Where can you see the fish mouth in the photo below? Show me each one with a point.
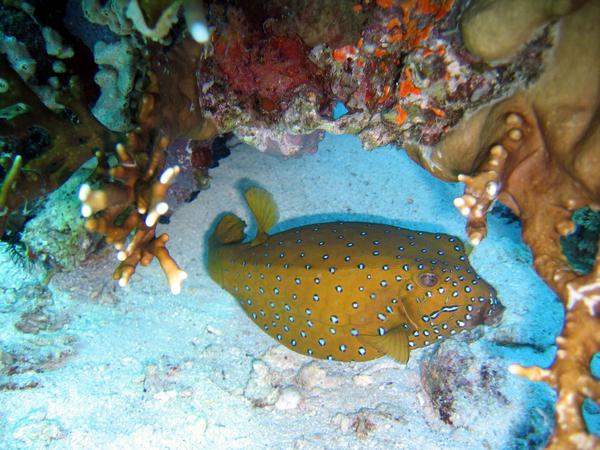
(494, 313)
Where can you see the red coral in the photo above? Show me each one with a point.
(266, 70)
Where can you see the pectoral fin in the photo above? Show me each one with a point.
(394, 343)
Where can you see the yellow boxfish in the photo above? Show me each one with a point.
(349, 291)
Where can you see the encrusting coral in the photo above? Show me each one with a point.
(399, 67)
(538, 152)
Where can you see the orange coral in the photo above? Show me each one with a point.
(345, 52)
(401, 116)
(410, 27)
(407, 87)
(385, 3)
(394, 22)
(380, 52)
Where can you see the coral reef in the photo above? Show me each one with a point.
(538, 151)
(499, 94)
(398, 67)
(48, 130)
(272, 87)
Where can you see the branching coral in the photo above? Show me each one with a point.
(45, 138)
(538, 152)
(570, 376)
(131, 204)
(49, 145)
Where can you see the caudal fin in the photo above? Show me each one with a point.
(230, 229)
(265, 212)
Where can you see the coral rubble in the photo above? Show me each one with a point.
(453, 374)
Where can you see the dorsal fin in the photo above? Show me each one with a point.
(230, 229)
(394, 343)
(265, 212)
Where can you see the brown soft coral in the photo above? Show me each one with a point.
(539, 152)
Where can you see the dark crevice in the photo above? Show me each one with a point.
(581, 246)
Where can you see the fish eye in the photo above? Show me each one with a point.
(428, 279)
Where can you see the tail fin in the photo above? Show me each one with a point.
(265, 212)
(230, 229)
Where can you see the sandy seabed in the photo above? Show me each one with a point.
(139, 368)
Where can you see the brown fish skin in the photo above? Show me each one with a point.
(331, 290)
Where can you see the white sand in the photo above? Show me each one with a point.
(192, 371)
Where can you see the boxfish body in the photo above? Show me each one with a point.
(349, 291)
